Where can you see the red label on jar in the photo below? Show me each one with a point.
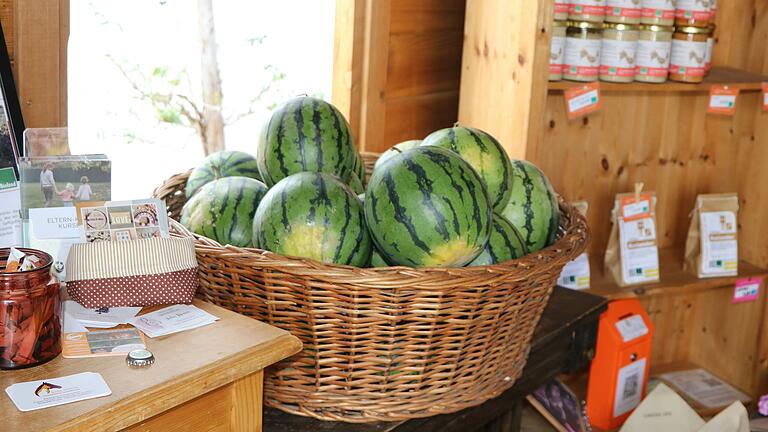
(617, 71)
(658, 13)
(651, 71)
(556, 69)
(586, 10)
(686, 71)
(693, 15)
(581, 70)
(624, 12)
(561, 8)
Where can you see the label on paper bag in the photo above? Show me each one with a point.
(582, 100)
(34, 395)
(722, 100)
(746, 290)
(765, 97)
(719, 247)
(639, 254)
(575, 274)
(631, 328)
(629, 387)
(632, 209)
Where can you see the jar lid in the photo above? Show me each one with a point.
(140, 358)
(620, 26)
(561, 23)
(657, 28)
(585, 25)
(692, 30)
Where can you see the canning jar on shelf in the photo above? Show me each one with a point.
(561, 10)
(557, 51)
(586, 10)
(30, 309)
(695, 13)
(689, 50)
(654, 47)
(623, 11)
(710, 49)
(618, 52)
(658, 12)
(582, 51)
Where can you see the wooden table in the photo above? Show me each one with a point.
(563, 342)
(206, 379)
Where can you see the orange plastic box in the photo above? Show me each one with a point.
(619, 372)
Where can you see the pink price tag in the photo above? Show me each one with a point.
(747, 289)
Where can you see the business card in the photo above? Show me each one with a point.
(34, 395)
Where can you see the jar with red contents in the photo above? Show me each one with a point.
(30, 309)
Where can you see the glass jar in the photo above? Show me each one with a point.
(689, 49)
(586, 10)
(693, 13)
(561, 10)
(618, 52)
(30, 309)
(623, 11)
(658, 12)
(653, 52)
(710, 49)
(582, 51)
(557, 51)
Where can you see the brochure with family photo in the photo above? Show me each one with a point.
(122, 220)
(50, 188)
(10, 209)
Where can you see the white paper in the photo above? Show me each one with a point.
(639, 254)
(33, 395)
(719, 246)
(101, 317)
(575, 274)
(629, 391)
(732, 419)
(172, 319)
(663, 410)
(10, 210)
(704, 388)
(632, 328)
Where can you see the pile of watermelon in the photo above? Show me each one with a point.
(452, 199)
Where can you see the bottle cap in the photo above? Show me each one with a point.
(140, 358)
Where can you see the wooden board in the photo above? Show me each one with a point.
(188, 365)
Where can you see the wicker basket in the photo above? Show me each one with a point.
(391, 343)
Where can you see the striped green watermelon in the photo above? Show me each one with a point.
(504, 244)
(223, 210)
(483, 153)
(396, 150)
(426, 207)
(316, 216)
(355, 184)
(377, 260)
(533, 207)
(219, 165)
(305, 134)
(359, 167)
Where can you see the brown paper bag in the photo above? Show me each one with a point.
(576, 274)
(632, 255)
(715, 253)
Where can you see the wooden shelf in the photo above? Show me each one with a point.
(674, 280)
(735, 78)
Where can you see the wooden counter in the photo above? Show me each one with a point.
(209, 378)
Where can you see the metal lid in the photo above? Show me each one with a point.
(560, 23)
(140, 358)
(692, 30)
(657, 28)
(585, 25)
(620, 26)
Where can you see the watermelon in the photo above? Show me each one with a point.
(426, 207)
(360, 167)
(377, 260)
(504, 244)
(355, 184)
(223, 210)
(305, 134)
(533, 207)
(219, 165)
(316, 216)
(483, 153)
(396, 150)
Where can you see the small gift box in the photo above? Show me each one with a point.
(132, 273)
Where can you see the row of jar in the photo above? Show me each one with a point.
(586, 51)
(698, 13)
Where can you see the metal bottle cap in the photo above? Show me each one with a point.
(140, 358)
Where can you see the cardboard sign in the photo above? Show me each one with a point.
(633, 209)
(765, 97)
(582, 100)
(722, 100)
(747, 290)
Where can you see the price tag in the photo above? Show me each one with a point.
(747, 290)
(582, 100)
(765, 97)
(722, 100)
(632, 209)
